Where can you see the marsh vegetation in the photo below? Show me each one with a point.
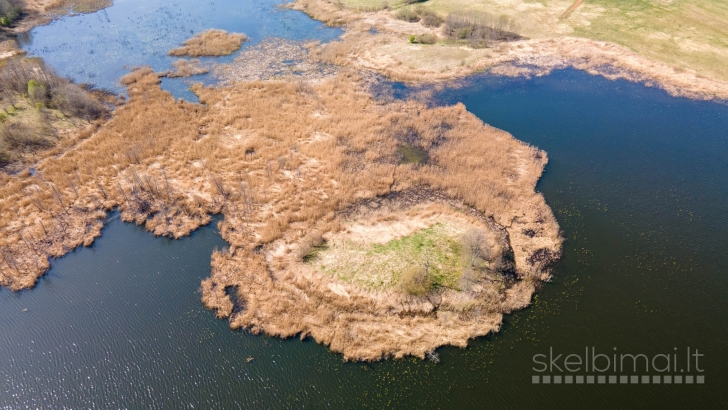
(281, 160)
(210, 43)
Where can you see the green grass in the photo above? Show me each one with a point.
(379, 266)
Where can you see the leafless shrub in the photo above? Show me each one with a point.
(476, 249)
(426, 39)
(21, 137)
(73, 101)
(429, 17)
(415, 281)
(308, 244)
(407, 14)
(480, 28)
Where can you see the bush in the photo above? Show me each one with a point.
(5, 158)
(480, 28)
(9, 11)
(44, 86)
(429, 17)
(407, 14)
(21, 137)
(37, 91)
(426, 39)
(309, 244)
(73, 101)
(476, 249)
(416, 281)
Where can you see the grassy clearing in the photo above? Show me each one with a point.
(437, 249)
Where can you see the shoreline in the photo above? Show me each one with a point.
(36, 13)
(383, 51)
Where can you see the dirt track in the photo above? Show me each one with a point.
(573, 7)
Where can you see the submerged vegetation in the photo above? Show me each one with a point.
(210, 43)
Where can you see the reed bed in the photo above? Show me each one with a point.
(282, 161)
(210, 43)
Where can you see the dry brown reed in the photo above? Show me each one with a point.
(77, 6)
(188, 68)
(210, 43)
(280, 161)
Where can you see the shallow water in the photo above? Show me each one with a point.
(99, 48)
(636, 179)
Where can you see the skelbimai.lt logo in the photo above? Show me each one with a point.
(591, 366)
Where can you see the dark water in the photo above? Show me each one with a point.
(99, 48)
(636, 178)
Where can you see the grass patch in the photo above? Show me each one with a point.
(412, 154)
(436, 250)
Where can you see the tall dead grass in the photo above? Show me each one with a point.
(210, 43)
(282, 160)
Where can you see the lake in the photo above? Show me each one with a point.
(636, 179)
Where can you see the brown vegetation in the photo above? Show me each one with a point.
(280, 161)
(428, 17)
(210, 43)
(188, 68)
